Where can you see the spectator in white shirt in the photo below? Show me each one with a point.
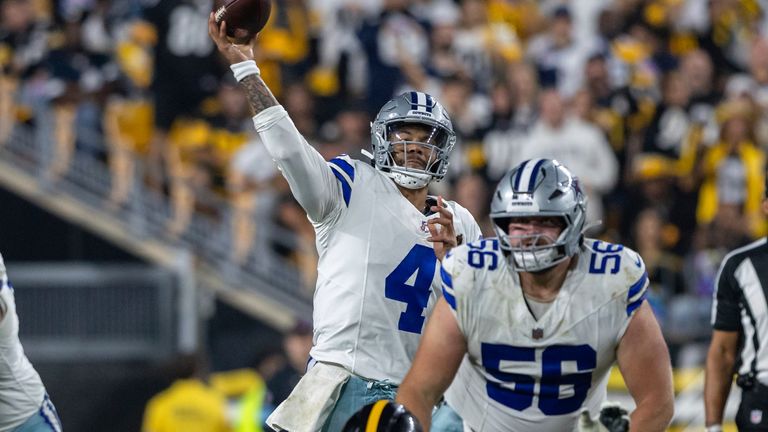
(577, 144)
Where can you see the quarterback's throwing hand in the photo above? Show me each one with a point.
(234, 53)
(443, 237)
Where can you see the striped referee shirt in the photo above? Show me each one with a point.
(740, 304)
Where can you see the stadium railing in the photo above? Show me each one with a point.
(265, 285)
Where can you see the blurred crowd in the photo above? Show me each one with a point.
(198, 399)
(660, 107)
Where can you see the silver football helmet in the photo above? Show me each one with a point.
(408, 109)
(539, 187)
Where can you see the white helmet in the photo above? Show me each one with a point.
(539, 187)
(413, 108)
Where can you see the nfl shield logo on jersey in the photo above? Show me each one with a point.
(756, 416)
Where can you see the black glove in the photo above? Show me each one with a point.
(613, 418)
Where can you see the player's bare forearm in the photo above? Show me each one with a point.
(418, 403)
(258, 94)
(438, 358)
(423, 386)
(644, 362)
(651, 416)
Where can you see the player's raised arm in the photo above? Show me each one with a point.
(241, 56)
(438, 358)
(312, 181)
(644, 362)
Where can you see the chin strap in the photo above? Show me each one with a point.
(409, 181)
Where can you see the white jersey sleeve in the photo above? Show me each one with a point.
(322, 188)
(621, 274)
(633, 295)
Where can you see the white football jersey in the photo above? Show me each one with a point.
(21, 390)
(378, 277)
(523, 374)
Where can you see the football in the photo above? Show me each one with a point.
(244, 18)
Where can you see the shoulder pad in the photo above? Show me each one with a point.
(637, 276)
(455, 273)
(344, 164)
(625, 269)
(469, 267)
(483, 255)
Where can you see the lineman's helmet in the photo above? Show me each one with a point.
(539, 187)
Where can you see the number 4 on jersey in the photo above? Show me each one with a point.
(420, 261)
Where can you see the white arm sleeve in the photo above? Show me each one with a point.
(312, 182)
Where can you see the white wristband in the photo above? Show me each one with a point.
(243, 69)
(714, 428)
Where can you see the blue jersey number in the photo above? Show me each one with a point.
(422, 261)
(521, 395)
(478, 254)
(611, 253)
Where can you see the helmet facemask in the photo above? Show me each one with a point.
(539, 188)
(531, 252)
(412, 141)
(416, 160)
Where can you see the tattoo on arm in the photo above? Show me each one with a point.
(259, 95)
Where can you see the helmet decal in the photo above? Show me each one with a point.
(527, 175)
(422, 102)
